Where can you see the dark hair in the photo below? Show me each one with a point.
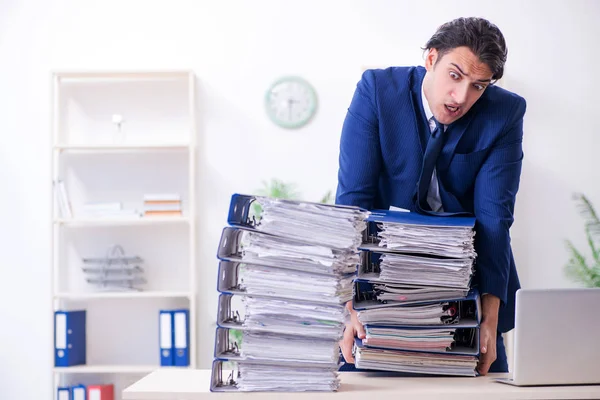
(481, 36)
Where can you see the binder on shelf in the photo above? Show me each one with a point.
(101, 392)
(63, 393)
(78, 392)
(69, 338)
(166, 338)
(181, 333)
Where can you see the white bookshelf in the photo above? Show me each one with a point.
(116, 136)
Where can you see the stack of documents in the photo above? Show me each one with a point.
(413, 294)
(267, 281)
(424, 234)
(285, 275)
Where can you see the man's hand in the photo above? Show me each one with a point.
(487, 332)
(353, 328)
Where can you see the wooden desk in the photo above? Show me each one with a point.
(166, 384)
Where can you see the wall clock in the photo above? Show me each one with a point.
(291, 102)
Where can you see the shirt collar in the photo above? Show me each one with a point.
(428, 113)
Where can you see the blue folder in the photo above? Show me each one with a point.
(69, 338)
(165, 338)
(181, 337)
(63, 393)
(78, 392)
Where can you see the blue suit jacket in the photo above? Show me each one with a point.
(381, 153)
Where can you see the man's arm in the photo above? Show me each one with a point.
(358, 176)
(496, 188)
(360, 151)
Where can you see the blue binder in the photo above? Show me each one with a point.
(165, 338)
(63, 393)
(181, 337)
(407, 218)
(69, 338)
(78, 392)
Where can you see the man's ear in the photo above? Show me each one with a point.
(430, 59)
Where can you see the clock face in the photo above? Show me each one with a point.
(291, 102)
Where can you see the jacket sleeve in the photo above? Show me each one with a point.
(360, 151)
(496, 187)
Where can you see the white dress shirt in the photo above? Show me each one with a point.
(433, 193)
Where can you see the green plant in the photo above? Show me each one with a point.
(578, 267)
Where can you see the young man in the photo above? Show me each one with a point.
(443, 139)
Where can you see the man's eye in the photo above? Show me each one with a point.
(454, 75)
(479, 87)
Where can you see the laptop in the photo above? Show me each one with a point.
(556, 337)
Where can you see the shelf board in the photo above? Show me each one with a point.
(109, 148)
(111, 369)
(122, 221)
(122, 295)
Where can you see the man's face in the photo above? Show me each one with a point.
(454, 83)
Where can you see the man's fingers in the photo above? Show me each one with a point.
(483, 345)
(484, 367)
(360, 330)
(346, 345)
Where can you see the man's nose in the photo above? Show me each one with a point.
(460, 94)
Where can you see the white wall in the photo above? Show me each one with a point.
(237, 49)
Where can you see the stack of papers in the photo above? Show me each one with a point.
(281, 252)
(412, 295)
(267, 281)
(434, 240)
(335, 227)
(284, 316)
(293, 266)
(441, 313)
(435, 271)
(260, 378)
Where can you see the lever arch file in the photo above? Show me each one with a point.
(373, 295)
(281, 316)
(413, 233)
(463, 311)
(101, 392)
(69, 338)
(248, 376)
(253, 247)
(428, 339)
(414, 362)
(264, 281)
(181, 340)
(78, 392)
(165, 337)
(390, 268)
(63, 393)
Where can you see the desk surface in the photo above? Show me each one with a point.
(167, 384)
